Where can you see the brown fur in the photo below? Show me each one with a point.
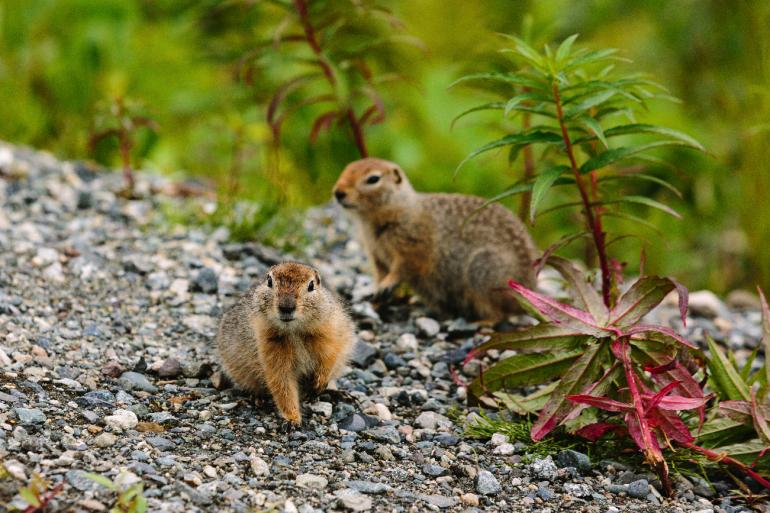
(457, 262)
(263, 351)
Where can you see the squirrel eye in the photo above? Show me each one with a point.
(269, 281)
(311, 286)
(373, 179)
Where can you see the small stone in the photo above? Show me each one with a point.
(639, 489)
(357, 422)
(161, 443)
(135, 381)
(432, 420)
(259, 466)
(460, 328)
(487, 483)
(122, 420)
(205, 281)
(706, 304)
(504, 450)
(427, 327)
(323, 408)
(743, 300)
(171, 368)
(570, 458)
(312, 481)
(470, 499)
(368, 487)
(363, 354)
(352, 500)
(113, 369)
(439, 501)
(499, 439)
(544, 468)
(382, 411)
(545, 493)
(30, 416)
(210, 471)
(406, 343)
(386, 434)
(16, 469)
(104, 440)
(434, 470)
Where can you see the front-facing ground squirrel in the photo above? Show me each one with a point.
(457, 259)
(287, 330)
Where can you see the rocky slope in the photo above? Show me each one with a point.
(107, 366)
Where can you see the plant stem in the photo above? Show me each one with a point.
(594, 222)
(718, 457)
(125, 158)
(312, 41)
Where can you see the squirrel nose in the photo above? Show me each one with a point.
(286, 308)
(340, 195)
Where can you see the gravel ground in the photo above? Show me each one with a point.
(108, 365)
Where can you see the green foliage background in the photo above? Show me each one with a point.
(59, 59)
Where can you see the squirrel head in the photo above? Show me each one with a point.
(291, 297)
(368, 185)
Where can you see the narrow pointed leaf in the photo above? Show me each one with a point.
(616, 154)
(652, 401)
(645, 177)
(596, 128)
(518, 99)
(543, 183)
(564, 48)
(542, 337)
(759, 419)
(530, 404)
(594, 432)
(740, 411)
(724, 376)
(523, 369)
(765, 342)
(641, 128)
(575, 380)
(722, 431)
(586, 296)
(514, 140)
(560, 313)
(510, 78)
(644, 200)
(589, 103)
(672, 425)
(645, 294)
(591, 57)
(663, 333)
(486, 106)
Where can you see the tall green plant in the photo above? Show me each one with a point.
(603, 354)
(340, 53)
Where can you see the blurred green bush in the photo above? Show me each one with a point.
(184, 59)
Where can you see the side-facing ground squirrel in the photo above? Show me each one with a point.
(285, 331)
(458, 260)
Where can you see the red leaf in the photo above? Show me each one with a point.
(644, 295)
(655, 399)
(670, 424)
(684, 298)
(560, 313)
(659, 369)
(605, 403)
(593, 432)
(322, 122)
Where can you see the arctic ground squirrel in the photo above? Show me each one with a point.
(286, 332)
(457, 259)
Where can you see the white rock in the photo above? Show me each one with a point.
(504, 450)
(312, 481)
(499, 439)
(705, 303)
(289, 507)
(428, 327)
(353, 500)
(122, 419)
(383, 413)
(259, 466)
(433, 420)
(16, 469)
(406, 343)
(210, 471)
(322, 408)
(105, 440)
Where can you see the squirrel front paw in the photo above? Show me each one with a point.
(382, 294)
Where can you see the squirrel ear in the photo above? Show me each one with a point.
(317, 278)
(398, 174)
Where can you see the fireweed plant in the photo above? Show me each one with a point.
(341, 52)
(605, 370)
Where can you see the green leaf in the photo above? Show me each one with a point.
(747, 452)
(588, 103)
(526, 51)
(522, 139)
(614, 155)
(529, 404)
(746, 369)
(523, 369)
(104, 481)
(633, 219)
(509, 78)
(565, 47)
(486, 106)
(644, 200)
(724, 376)
(518, 99)
(543, 183)
(29, 497)
(721, 431)
(541, 337)
(645, 177)
(591, 57)
(765, 342)
(584, 371)
(641, 128)
(594, 125)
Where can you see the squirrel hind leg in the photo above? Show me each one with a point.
(487, 278)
